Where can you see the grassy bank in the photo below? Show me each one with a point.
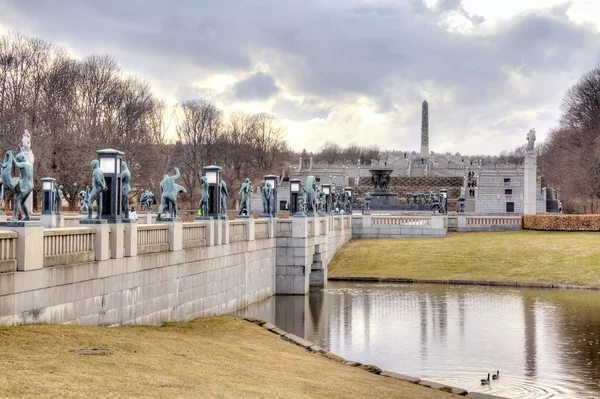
(524, 256)
(215, 357)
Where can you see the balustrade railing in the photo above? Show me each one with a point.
(261, 229)
(194, 235)
(493, 220)
(237, 231)
(152, 238)
(8, 251)
(402, 220)
(68, 246)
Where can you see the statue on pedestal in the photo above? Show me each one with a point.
(311, 194)
(367, 210)
(530, 140)
(22, 186)
(203, 204)
(245, 190)
(126, 189)
(224, 195)
(168, 194)
(347, 204)
(25, 148)
(267, 197)
(59, 198)
(301, 201)
(98, 187)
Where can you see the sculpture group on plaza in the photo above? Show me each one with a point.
(147, 200)
(245, 190)
(168, 194)
(98, 188)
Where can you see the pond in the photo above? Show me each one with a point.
(546, 343)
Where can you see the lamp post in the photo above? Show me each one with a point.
(48, 195)
(213, 178)
(110, 164)
(348, 191)
(295, 186)
(273, 180)
(327, 191)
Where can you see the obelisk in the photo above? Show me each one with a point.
(425, 131)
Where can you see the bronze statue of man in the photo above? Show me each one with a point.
(24, 186)
(169, 190)
(98, 188)
(125, 190)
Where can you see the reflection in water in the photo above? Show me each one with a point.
(545, 343)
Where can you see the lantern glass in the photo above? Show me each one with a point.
(107, 165)
(272, 182)
(326, 190)
(118, 166)
(295, 187)
(211, 177)
(349, 192)
(47, 186)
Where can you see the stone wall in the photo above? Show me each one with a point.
(125, 274)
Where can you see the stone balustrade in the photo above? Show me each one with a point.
(68, 246)
(152, 238)
(238, 230)
(8, 251)
(261, 229)
(194, 235)
(401, 220)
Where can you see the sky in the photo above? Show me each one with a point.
(347, 71)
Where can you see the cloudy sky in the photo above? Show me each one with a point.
(345, 70)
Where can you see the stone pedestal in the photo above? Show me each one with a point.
(225, 231)
(130, 238)
(462, 221)
(101, 241)
(30, 244)
(439, 222)
(530, 183)
(3, 217)
(250, 230)
(299, 227)
(50, 221)
(366, 221)
(175, 233)
(116, 236)
(210, 230)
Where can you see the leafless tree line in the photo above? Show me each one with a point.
(74, 107)
(332, 153)
(570, 157)
(244, 145)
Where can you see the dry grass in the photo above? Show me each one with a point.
(219, 357)
(524, 256)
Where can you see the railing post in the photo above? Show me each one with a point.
(210, 232)
(225, 231)
(116, 240)
(130, 237)
(250, 229)
(367, 221)
(462, 222)
(175, 234)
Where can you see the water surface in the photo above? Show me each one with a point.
(544, 342)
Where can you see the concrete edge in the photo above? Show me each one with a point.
(467, 282)
(312, 347)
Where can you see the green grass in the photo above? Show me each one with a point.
(523, 256)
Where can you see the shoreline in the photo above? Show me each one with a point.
(483, 283)
(314, 348)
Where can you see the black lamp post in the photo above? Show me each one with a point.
(48, 195)
(295, 185)
(110, 164)
(327, 191)
(213, 178)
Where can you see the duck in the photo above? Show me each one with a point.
(496, 376)
(486, 381)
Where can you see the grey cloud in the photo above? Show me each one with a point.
(260, 86)
(335, 51)
(306, 110)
